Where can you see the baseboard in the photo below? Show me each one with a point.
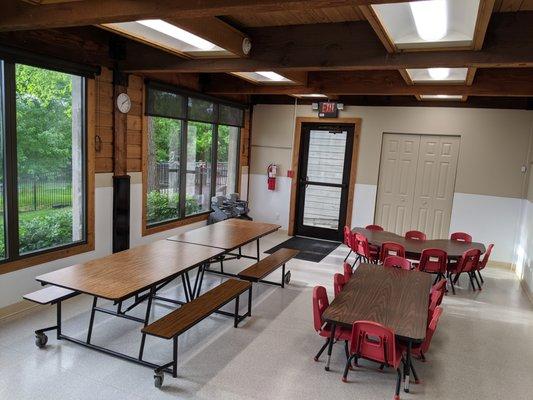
(17, 308)
(527, 290)
(501, 265)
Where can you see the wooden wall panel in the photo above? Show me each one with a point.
(104, 122)
(135, 123)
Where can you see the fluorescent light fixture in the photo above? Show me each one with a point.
(431, 19)
(311, 95)
(177, 33)
(439, 74)
(271, 75)
(441, 97)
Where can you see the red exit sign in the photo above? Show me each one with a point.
(328, 109)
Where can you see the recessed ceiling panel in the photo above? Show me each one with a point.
(438, 75)
(268, 77)
(429, 24)
(162, 34)
(441, 97)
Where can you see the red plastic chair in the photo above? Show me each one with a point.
(391, 249)
(461, 237)
(419, 351)
(361, 247)
(320, 303)
(375, 342)
(434, 261)
(434, 298)
(467, 264)
(348, 240)
(397, 262)
(374, 228)
(416, 235)
(440, 288)
(338, 283)
(483, 262)
(347, 272)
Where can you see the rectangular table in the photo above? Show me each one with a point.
(229, 235)
(393, 297)
(123, 275)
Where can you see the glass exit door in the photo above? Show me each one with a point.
(323, 181)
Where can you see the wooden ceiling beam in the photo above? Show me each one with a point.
(483, 17)
(490, 82)
(214, 30)
(354, 46)
(93, 12)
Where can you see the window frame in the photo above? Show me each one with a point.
(148, 229)
(13, 259)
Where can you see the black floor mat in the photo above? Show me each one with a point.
(310, 249)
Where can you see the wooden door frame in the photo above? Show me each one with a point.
(356, 122)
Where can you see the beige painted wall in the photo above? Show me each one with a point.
(494, 143)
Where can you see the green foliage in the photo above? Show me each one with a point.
(44, 120)
(163, 207)
(49, 229)
(42, 229)
(166, 136)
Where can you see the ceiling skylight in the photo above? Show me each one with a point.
(441, 97)
(311, 95)
(162, 34)
(438, 75)
(263, 77)
(429, 23)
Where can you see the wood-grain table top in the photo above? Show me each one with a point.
(393, 297)
(228, 234)
(453, 248)
(121, 275)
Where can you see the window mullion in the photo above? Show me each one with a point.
(10, 168)
(214, 160)
(183, 168)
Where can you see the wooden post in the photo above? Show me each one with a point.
(119, 134)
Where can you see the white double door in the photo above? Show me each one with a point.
(416, 183)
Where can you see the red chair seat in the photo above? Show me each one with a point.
(340, 333)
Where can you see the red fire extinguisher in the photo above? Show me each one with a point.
(271, 174)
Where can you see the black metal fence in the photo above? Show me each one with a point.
(201, 171)
(44, 191)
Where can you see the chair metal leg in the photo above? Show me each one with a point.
(475, 279)
(398, 383)
(345, 258)
(451, 284)
(346, 349)
(347, 368)
(480, 277)
(417, 381)
(322, 349)
(471, 281)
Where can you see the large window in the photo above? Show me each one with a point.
(43, 160)
(193, 149)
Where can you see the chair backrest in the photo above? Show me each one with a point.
(461, 237)
(374, 342)
(439, 287)
(430, 331)
(417, 235)
(483, 263)
(469, 261)
(374, 228)
(320, 303)
(347, 236)
(397, 262)
(347, 272)
(433, 260)
(434, 297)
(391, 249)
(338, 283)
(360, 245)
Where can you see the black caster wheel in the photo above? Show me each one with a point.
(158, 379)
(287, 277)
(40, 340)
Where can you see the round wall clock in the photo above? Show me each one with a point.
(123, 103)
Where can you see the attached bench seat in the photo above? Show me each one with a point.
(49, 295)
(178, 321)
(266, 266)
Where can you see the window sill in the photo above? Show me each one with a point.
(174, 224)
(32, 261)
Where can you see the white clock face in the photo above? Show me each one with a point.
(123, 103)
